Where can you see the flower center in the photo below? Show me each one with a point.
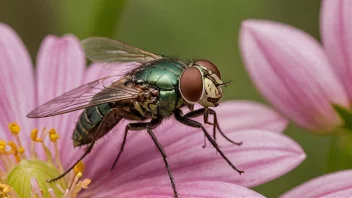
(23, 176)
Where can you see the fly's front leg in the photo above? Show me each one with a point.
(205, 112)
(148, 126)
(197, 113)
(216, 124)
(193, 123)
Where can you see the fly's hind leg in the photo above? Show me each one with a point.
(148, 126)
(100, 130)
(205, 112)
(88, 150)
(192, 123)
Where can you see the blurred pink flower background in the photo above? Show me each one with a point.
(295, 73)
(265, 154)
(303, 79)
(333, 185)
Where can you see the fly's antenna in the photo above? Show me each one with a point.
(224, 83)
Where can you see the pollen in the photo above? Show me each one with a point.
(53, 135)
(7, 191)
(34, 136)
(33, 171)
(2, 146)
(15, 151)
(79, 168)
(14, 128)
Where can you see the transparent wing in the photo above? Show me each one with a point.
(104, 90)
(112, 53)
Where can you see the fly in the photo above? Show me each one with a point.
(150, 87)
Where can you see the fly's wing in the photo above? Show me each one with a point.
(111, 53)
(104, 90)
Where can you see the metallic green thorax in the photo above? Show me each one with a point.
(164, 75)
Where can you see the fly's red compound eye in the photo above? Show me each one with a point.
(209, 65)
(191, 84)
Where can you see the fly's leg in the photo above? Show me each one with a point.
(148, 126)
(192, 123)
(89, 148)
(216, 123)
(205, 112)
(135, 127)
(197, 113)
(163, 154)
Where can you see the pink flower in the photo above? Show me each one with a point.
(295, 73)
(338, 184)
(265, 154)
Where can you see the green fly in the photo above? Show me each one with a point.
(150, 87)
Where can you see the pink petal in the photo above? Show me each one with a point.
(206, 189)
(336, 30)
(60, 68)
(338, 184)
(291, 70)
(249, 115)
(263, 156)
(17, 84)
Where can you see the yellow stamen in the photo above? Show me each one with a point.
(80, 185)
(2, 147)
(14, 128)
(14, 168)
(85, 183)
(74, 183)
(53, 135)
(7, 191)
(34, 136)
(53, 138)
(79, 168)
(79, 175)
(14, 151)
(13, 147)
(21, 150)
(7, 162)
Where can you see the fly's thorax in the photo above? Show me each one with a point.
(200, 83)
(159, 80)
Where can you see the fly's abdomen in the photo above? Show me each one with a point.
(89, 119)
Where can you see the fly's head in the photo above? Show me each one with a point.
(201, 83)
